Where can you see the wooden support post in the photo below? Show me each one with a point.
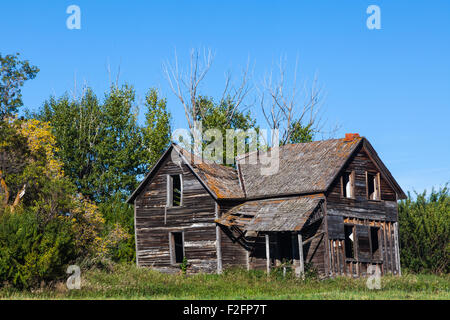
(293, 244)
(248, 259)
(331, 258)
(397, 248)
(391, 248)
(300, 255)
(267, 253)
(135, 235)
(218, 243)
(385, 250)
(338, 257)
(344, 264)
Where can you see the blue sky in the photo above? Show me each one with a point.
(390, 85)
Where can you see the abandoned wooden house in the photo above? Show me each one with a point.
(332, 205)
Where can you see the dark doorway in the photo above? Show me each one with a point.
(285, 253)
(177, 247)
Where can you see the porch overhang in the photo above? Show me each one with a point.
(272, 215)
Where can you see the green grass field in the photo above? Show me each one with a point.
(129, 282)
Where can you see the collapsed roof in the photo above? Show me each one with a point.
(281, 214)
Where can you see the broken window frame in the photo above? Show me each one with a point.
(375, 256)
(170, 191)
(373, 178)
(351, 181)
(352, 226)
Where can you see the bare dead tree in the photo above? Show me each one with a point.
(185, 84)
(284, 105)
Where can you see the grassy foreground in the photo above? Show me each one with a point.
(129, 282)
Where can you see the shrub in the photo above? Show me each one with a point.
(33, 251)
(119, 224)
(311, 271)
(424, 232)
(184, 265)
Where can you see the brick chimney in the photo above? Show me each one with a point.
(351, 136)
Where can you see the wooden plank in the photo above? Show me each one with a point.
(135, 234)
(386, 260)
(195, 218)
(397, 248)
(391, 258)
(338, 258)
(318, 234)
(218, 242)
(335, 227)
(248, 259)
(300, 255)
(267, 253)
(344, 263)
(333, 257)
(326, 256)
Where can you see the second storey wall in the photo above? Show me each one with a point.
(381, 213)
(360, 206)
(195, 218)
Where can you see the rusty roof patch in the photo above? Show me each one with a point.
(223, 181)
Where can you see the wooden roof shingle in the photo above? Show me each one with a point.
(303, 168)
(221, 180)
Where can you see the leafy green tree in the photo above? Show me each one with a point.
(33, 250)
(30, 170)
(13, 74)
(121, 153)
(105, 152)
(157, 129)
(424, 231)
(55, 225)
(116, 212)
(217, 116)
(300, 133)
(99, 143)
(77, 126)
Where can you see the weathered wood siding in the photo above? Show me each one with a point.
(154, 221)
(257, 256)
(361, 211)
(314, 252)
(233, 254)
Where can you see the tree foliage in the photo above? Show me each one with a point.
(214, 115)
(424, 229)
(157, 129)
(13, 74)
(103, 148)
(76, 126)
(34, 250)
(105, 152)
(300, 133)
(30, 170)
(47, 224)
